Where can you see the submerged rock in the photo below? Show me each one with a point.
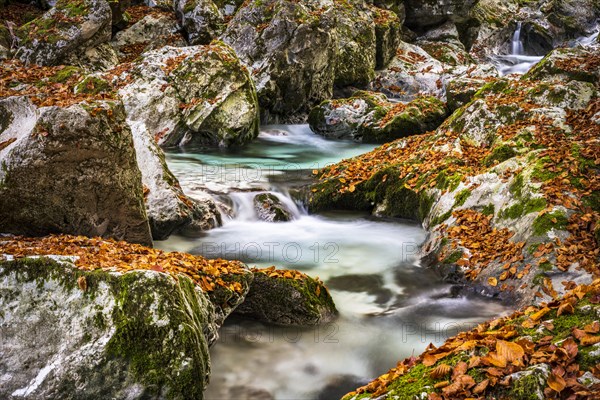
(70, 170)
(69, 27)
(371, 118)
(131, 335)
(284, 297)
(270, 209)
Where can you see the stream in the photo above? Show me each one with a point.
(390, 307)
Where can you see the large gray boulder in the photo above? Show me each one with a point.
(69, 333)
(192, 95)
(290, 48)
(71, 170)
(70, 26)
(201, 19)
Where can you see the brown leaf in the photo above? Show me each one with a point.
(556, 383)
(82, 283)
(440, 371)
(512, 352)
(481, 386)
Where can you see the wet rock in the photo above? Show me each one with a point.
(135, 335)
(70, 26)
(200, 19)
(269, 208)
(284, 297)
(70, 170)
(371, 118)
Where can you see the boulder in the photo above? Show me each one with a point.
(151, 32)
(119, 14)
(71, 170)
(425, 68)
(200, 19)
(567, 64)
(287, 297)
(135, 335)
(69, 27)
(269, 208)
(100, 58)
(369, 117)
(356, 46)
(194, 95)
(290, 48)
(140, 320)
(169, 209)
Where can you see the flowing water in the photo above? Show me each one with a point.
(390, 308)
(519, 63)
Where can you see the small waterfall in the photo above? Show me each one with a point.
(517, 45)
(243, 205)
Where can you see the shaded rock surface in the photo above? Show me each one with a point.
(201, 20)
(285, 297)
(70, 170)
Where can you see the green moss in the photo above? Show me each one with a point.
(546, 266)
(412, 384)
(445, 182)
(461, 197)
(441, 218)
(64, 74)
(524, 207)
(517, 185)
(454, 257)
(499, 154)
(528, 386)
(540, 173)
(554, 220)
(488, 210)
(93, 85)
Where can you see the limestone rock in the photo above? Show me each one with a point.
(269, 208)
(136, 335)
(70, 170)
(201, 19)
(70, 26)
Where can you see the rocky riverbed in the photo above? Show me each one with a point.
(127, 125)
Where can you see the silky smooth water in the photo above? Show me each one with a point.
(390, 307)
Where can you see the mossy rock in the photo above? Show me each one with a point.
(279, 300)
(141, 334)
